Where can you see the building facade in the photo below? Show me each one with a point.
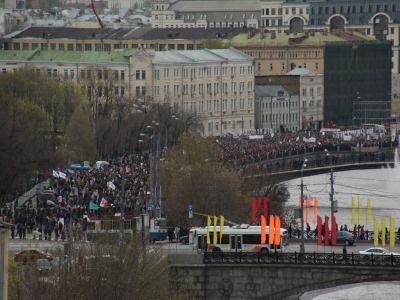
(214, 86)
(311, 91)
(277, 109)
(217, 86)
(205, 14)
(357, 83)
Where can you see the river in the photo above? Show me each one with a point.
(382, 186)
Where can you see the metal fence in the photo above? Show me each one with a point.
(301, 259)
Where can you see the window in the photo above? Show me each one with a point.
(122, 90)
(143, 75)
(122, 75)
(99, 74)
(116, 75)
(65, 74)
(54, 73)
(137, 75)
(25, 46)
(88, 47)
(78, 47)
(61, 47)
(138, 91)
(35, 46)
(70, 47)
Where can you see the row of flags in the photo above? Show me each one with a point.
(274, 235)
(309, 202)
(259, 207)
(356, 211)
(392, 232)
(215, 233)
(325, 232)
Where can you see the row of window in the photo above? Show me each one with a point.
(202, 89)
(95, 47)
(354, 9)
(278, 11)
(280, 118)
(278, 104)
(193, 73)
(311, 104)
(283, 66)
(275, 54)
(105, 91)
(228, 125)
(310, 92)
(215, 106)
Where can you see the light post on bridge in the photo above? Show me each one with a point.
(333, 203)
(304, 165)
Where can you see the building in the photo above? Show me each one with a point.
(277, 108)
(279, 53)
(96, 39)
(311, 91)
(357, 83)
(215, 86)
(374, 18)
(206, 14)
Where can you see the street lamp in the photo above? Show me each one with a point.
(304, 165)
(331, 179)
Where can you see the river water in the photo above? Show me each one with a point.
(382, 186)
(366, 291)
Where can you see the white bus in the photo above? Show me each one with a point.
(234, 238)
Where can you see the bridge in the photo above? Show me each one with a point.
(279, 276)
(289, 167)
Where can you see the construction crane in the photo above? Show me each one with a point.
(97, 16)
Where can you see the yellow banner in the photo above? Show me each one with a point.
(221, 228)
(215, 235)
(359, 211)
(376, 232)
(383, 231)
(392, 233)
(208, 230)
(368, 216)
(353, 210)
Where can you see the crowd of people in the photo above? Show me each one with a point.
(244, 150)
(82, 195)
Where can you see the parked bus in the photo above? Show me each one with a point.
(235, 238)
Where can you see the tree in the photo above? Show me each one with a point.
(109, 268)
(192, 174)
(34, 114)
(80, 137)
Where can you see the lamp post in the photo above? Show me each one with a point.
(304, 165)
(331, 181)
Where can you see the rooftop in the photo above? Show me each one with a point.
(213, 6)
(283, 39)
(114, 57)
(200, 56)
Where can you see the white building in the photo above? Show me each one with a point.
(277, 108)
(311, 97)
(217, 86)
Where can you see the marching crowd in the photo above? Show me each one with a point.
(244, 150)
(83, 195)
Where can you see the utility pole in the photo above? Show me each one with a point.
(331, 195)
(302, 250)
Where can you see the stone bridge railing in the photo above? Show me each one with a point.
(276, 277)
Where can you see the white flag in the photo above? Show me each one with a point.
(62, 175)
(111, 185)
(55, 174)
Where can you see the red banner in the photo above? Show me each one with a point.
(265, 206)
(319, 230)
(253, 209)
(277, 230)
(308, 204)
(326, 233)
(263, 230)
(333, 231)
(271, 229)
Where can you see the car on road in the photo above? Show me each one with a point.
(378, 251)
(345, 237)
(31, 255)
